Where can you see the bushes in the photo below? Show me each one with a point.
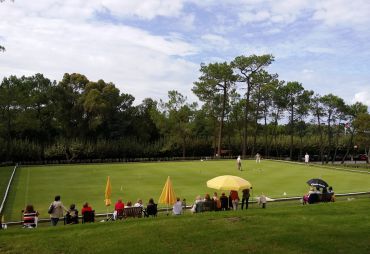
(133, 149)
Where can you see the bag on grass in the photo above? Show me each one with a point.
(51, 209)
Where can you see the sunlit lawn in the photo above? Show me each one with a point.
(79, 183)
(340, 227)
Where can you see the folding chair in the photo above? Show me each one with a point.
(30, 220)
(88, 216)
(151, 210)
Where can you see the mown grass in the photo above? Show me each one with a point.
(340, 227)
(79, 183)
(5, 173)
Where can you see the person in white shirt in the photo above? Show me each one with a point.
(177, 207)
(306, 158)
(139, 203)
(258, 158)
(239, 163)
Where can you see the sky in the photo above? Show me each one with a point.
(149, 47)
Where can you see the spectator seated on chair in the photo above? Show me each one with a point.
(139, 203)
(177, 207)
(198, 205)
(118, 210)
(30, 217)
(313, 198)
(224, 202)
(151, 209)
(72, 215)
(88, 214)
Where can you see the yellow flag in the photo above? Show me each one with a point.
(168, 195)
(108, 193)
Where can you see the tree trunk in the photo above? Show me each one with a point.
(291, 131)
(222, 121)
(246, 113)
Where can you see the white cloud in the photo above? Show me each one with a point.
(144, 9)
(215, 41)
(363, 97)
(138, 62)
(253, 17)
(355, 13)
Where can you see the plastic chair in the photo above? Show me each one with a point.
(88, 216)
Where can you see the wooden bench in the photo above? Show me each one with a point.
(133, 212)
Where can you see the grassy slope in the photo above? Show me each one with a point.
(5, 173)
(80, 183)
(341, 227)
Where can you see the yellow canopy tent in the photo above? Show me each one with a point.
(228, 182)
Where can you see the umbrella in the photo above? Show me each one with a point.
(168, 195)
(108, 193)
(228, 182)
(316, 182)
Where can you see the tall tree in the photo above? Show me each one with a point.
(356, 124)
(333, 106)
(295, 96)
(217, 80)
(175, 120)
(362, 124)
(39, 110)
(260, 95)
(246, 67)
(9, 110)
(69, 109)
(317, 110)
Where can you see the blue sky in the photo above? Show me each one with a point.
(150, 47)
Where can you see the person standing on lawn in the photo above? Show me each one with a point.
(57, 210)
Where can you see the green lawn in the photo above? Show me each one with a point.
(5, 173)
(79, 183)
(340, 227)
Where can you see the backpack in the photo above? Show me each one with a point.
(51, 209)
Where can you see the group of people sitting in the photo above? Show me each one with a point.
(119, 208)
(57, 210)
(221, 203)
(316, 195)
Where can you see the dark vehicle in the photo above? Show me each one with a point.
(362, 157)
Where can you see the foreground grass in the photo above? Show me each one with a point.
(341, 227)
(79, 183)
(5, 173)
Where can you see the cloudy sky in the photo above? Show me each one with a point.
(149, 47)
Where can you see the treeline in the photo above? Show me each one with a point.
(244, 110)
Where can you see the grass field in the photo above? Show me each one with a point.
(325, 228)
(5, 173)
(79, 183)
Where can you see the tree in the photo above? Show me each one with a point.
(246, 67)
(175, 120)
(38, 114)
(261, 98)
(296, 100)
(217, 81)
(362, 124)
(9, 109)
(333, 106)
(317, 110)
(69, 110)
(356, 117)
(143, 124)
